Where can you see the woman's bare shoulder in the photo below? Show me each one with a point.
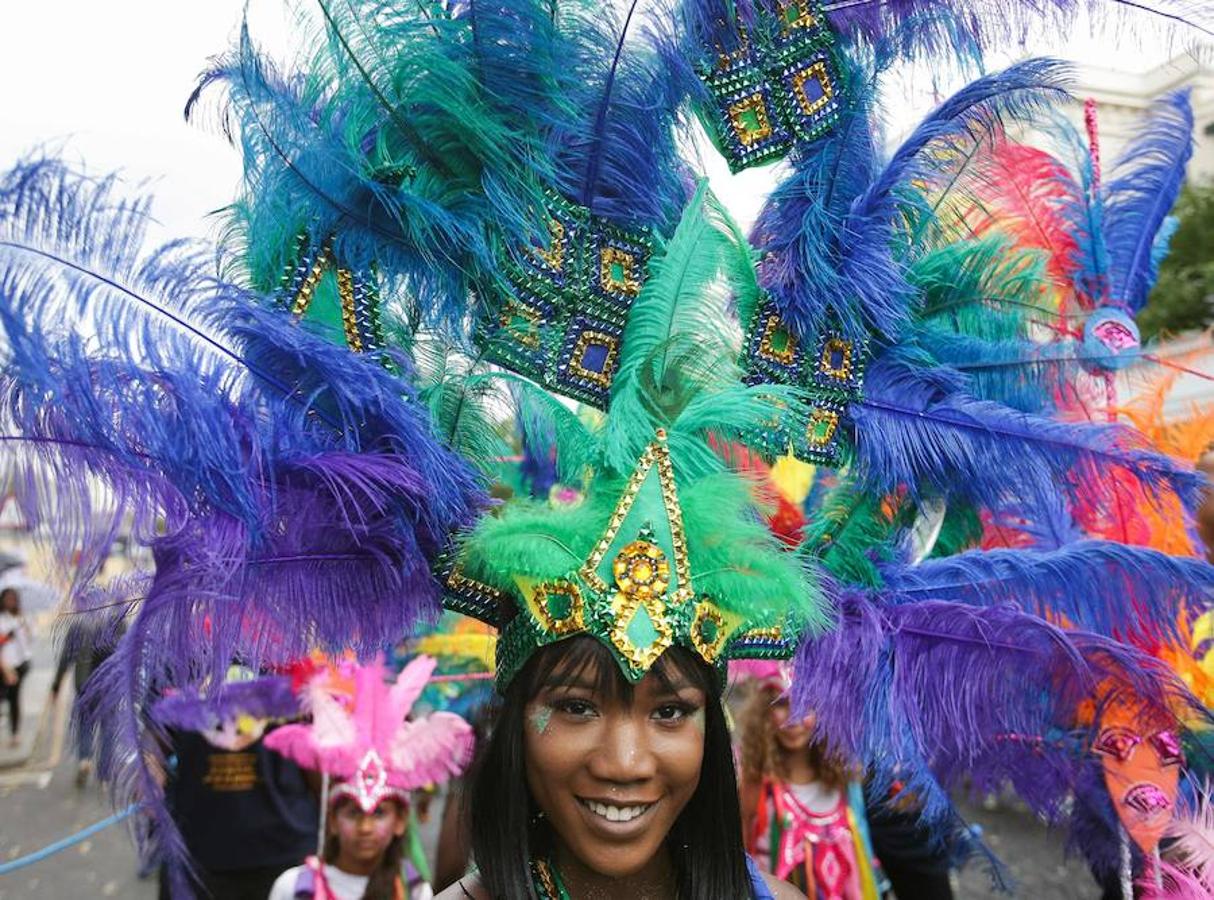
(468, 886)
(782, 890)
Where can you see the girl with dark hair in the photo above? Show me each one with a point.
(592, 786)
(609, 772)
(362, 859)
(361, 738)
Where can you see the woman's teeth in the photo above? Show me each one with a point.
(616, 813)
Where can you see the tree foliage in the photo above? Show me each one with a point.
(1183, 298)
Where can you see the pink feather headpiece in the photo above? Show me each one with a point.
(366, 742)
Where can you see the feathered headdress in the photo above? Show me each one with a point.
(367, 743)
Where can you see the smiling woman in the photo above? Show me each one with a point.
(592, 786)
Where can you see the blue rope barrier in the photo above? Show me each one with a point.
(69, 841)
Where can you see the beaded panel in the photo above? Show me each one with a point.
(778, 86)
(828, 368)
(357, 292)
(558, 312)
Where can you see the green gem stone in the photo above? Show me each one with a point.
(617, 271)
(641, 631)
(822, 429)
(559, 606)
(780, 339)
(750, 120)
(791, 14)
(708, 631)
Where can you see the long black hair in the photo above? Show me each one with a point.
(705, 843)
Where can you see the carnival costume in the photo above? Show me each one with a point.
(368, 750)
(452, 209)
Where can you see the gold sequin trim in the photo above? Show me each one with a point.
(571, 623)
(817, 72)
(585, 339)
(750, 133)
(775, 633)
(627, 607)
(659, 454)
(709, 650)
(458, 581)
(529, 337)
(303, 299)
(554, 256)
(820, 437)
(773, 326)
(843, 348)
(349, 315)
(795, 14)
(627, 283)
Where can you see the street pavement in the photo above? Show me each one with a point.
(39, 804)
(1032, 854)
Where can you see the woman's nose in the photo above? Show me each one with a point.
(625, 754)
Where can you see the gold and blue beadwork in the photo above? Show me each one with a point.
(557, 313)
(316, 285)
(827, 367)
(774, 87)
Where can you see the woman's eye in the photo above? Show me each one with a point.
(671, 712)
(575, 707)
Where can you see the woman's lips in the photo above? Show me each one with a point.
(617, 819)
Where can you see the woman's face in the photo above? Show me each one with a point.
(791, 736)
(612, 775)
(363, 837)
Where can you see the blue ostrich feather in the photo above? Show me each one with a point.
(934, 692)
(1142, 188)
(1020, 374)
(615, 150)
(291, 493)
(918, 426)
(827, 235)
(1103, 587)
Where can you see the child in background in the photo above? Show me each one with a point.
(363, 742)
(802, 809)
(362, 858)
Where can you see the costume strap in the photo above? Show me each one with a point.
(547, 881)
(757, 884)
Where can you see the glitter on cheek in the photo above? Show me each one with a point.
(540, 718)
(697, 719)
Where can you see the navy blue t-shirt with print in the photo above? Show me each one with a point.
(241, 809)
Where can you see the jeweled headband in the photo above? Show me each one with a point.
(632, 581)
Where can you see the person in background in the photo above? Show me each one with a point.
(915, 863)
(243, 813)
(802, 809)
(86, 645)
(16, 651)
(362, 860)
(373, 755)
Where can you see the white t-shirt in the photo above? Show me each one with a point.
(343, 885)
(19, 648)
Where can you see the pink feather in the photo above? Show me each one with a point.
(418, 752)
(1194, 840)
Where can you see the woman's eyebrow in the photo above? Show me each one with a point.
(572, 681)
(675, 686)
